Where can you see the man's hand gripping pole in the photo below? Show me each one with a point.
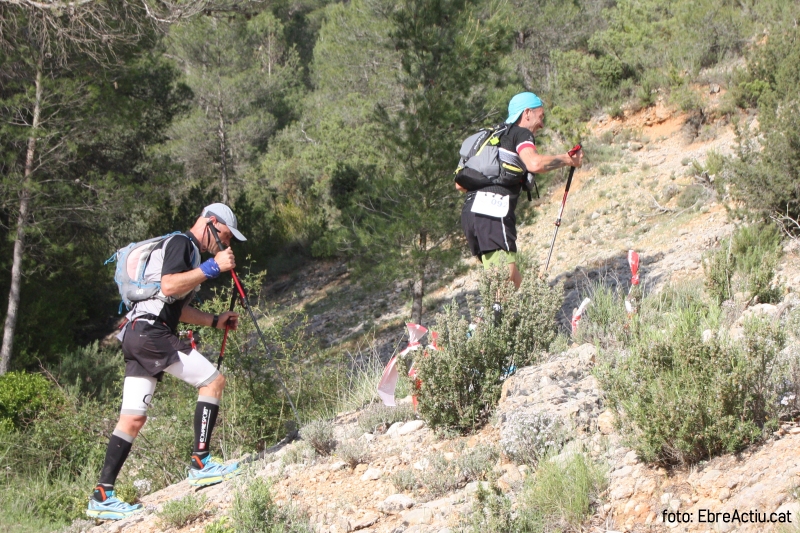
(238, 290)
(563, 203)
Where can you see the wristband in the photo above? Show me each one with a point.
(214, 322)
(210, 268)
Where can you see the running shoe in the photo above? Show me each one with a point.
(212, 472)
(112, 508)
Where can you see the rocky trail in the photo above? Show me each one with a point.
(633, 197)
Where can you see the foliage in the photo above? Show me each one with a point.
(378, 417)
(449, 53)
(353, 452)
(254, 511)
(765, 175)
(476, 463)
(681, 398)
(404, 479)
(181, 511)
(745, 262)
(562, 493)
(460, 383)
(22, 396)
(299, 453)
(526, 437)
(559, 497)
(91, 370)
(319, 434)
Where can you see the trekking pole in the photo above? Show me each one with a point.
(563, 203)
(227, 327)
(243, 299)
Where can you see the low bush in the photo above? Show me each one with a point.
(22, 396)
(404, 479)
(460, 383)
(378, 417)
(559, 497)
(254, 511)
(91, 370)
(353, 452)
(680, 398)
(319, 434)
(692, 196)
(298, 453)
(476, 463)
(181, 511)
(526, 437)
(562, 493)
(745, 263)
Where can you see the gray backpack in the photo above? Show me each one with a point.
(130, 271)
(481, 166)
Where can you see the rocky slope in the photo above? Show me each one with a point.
(634, 197)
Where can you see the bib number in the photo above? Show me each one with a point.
(490, 204)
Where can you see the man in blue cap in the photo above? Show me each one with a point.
(151, 346)
(488, 217)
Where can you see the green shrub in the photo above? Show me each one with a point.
(22, 396)
(561, 494)
(440, 477)
(766, 174)
(298, 453)
(353, 452)
(378, 417)
(461, 382)
(254, 511)
(91, 370)
(745, 263)
(222, 525)
(476, 463)
(680, 399)
(181, 511)
(492, 513)
(605, 323)
(528, 436)
(404, 479)
(692, 196)
(319, 434)
(560, 497)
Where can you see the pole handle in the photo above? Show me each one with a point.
(575, 150)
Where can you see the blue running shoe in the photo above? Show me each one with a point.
(212, 472)
(112, 508)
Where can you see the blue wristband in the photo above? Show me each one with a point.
(210, 268)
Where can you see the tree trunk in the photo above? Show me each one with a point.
(19, 243)
(419, 283)
(223, 152)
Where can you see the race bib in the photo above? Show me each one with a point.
(490, 204)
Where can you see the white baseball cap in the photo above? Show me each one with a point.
(224, 215)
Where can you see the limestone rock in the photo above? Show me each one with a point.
(371, 474)
(395, 504)
(410, 427)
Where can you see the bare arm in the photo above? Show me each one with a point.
(537, 163)
(175, 284)
(190, 315)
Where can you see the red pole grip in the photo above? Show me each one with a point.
(574, 150)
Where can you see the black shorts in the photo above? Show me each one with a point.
(150, 348)
(487, 234)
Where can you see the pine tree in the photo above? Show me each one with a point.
(450, 60)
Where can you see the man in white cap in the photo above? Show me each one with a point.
(151, 346)
(493, 239)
